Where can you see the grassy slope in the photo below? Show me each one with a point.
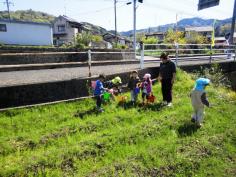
(152, 141)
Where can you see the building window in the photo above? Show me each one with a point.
(61, 28)
(3, 27)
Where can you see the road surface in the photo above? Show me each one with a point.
(60, 74)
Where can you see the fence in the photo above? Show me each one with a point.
(178, 51)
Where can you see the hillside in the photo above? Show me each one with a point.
(221, 25)
(28, 15)
(70, 139)
(95, 29)
(36, 16)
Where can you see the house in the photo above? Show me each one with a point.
(220, 40)
(17, 32)
(111, 38)
(203, 30)
(160, 36)
(65, 29)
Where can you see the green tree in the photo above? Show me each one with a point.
(150, 40)
(195, 38)
(175, 36)
(96, 38)
(83, 39)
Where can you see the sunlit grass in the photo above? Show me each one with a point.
(72, 139)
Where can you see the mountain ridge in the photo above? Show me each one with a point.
(194, 22)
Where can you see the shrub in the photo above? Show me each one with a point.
(215, 74)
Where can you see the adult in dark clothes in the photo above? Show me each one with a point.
(167, 78)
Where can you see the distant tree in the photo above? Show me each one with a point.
(140, 37)
(196, 38)
(175, 36)
(150, 40)
(83, 39)
(96, 38)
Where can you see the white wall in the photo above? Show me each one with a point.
(26, 34)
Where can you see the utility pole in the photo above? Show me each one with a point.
(176, 18)
(134, 32)
(231, 40)
(65, 7)
(8, 10)
(115, 2)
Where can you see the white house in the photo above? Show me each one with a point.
(25, 33)
(203, 30)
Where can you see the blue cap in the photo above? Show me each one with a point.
(201, 83)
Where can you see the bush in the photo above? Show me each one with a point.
(120, 46)
(215, 74)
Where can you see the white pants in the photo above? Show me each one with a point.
(198, 114)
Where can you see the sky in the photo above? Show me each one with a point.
(150, 13)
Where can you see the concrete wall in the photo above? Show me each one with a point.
(54, 91)
(26, 34)
(54, 57)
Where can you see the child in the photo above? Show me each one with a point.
(114, 85)
(98, 91)
(146, 87)
(133, 86)
(199, 99)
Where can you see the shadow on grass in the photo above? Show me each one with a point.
(187, 129)
(153, 107)
(92, 111)
(141, 107)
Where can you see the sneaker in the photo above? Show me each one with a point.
(169, 104)
(199, 125)
(100, 110)
(164, 103)
(193, 120)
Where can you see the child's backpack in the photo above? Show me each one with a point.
(93, 85)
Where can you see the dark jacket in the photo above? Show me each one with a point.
(167, 69)
(132, 84)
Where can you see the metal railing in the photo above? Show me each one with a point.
(178, 51)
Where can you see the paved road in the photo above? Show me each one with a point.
(51, 75)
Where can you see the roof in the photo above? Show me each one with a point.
(110, 36)
(69, 19)
(155, 34)
(220, 39)
(23, 22)
(72, 21)
(199, 29)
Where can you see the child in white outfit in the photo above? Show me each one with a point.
(199, 99)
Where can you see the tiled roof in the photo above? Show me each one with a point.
(199, 29)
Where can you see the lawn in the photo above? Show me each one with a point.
(71, 139)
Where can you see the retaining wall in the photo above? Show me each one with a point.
(36, 56)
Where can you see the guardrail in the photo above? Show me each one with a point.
(180, 50)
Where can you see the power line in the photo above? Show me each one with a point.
(181, 11)
(99, 10)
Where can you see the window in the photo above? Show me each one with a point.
(3, 27)
(61, 28)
